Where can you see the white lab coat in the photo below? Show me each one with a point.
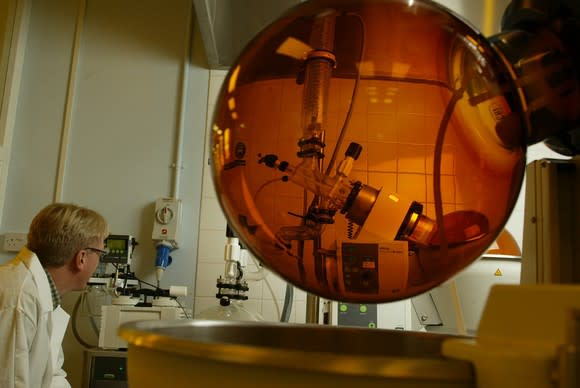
(31, 332)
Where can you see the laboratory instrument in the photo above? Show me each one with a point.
(456, 306)
(113, 298)
(119, 249)
(432, 137)
(233, 286)
(105, 368)
(367, 151)
(163, 306)
(359, 166)
(119, 254)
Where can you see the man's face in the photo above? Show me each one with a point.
(92, 257)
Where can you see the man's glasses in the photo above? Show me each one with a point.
(99, 252)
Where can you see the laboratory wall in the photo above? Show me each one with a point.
(125, 112)
(108, 117)
(113, 112)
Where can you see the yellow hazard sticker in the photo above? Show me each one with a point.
(498, 272)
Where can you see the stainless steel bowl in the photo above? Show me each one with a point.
(208, 353)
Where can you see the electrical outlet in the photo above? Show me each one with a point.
(167, 220)
(13, 242)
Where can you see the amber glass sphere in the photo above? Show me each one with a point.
(367, 151)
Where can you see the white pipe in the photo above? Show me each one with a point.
(69, 102)
(178, 163)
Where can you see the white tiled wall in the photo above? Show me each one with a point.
(265, 297)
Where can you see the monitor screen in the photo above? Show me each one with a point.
(114, 244)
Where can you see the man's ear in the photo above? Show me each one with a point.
(79, 260)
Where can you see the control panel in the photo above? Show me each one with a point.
(366, 268)
(360, 265)
(119, 248)
(357, 315)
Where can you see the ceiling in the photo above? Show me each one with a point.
(228, 25)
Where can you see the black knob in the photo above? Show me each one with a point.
(354, 150)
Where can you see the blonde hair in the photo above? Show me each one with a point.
(60, 230)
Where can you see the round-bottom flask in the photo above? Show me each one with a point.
(231, 311)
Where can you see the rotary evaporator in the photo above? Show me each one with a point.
(367, 151)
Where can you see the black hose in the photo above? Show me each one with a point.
(288, 298)
(75, 328)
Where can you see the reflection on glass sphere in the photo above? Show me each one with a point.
(368, 150)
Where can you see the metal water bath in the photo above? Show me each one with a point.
(214, 353)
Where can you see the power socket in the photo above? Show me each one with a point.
(13, 242)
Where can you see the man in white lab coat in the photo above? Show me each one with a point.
(65, 244)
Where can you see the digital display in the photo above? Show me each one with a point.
(120, 249)
(116, 245)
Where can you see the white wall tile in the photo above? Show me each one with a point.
(208, 189)
(277, 286)
(253, 305)
(299, 309)
(299, 295)
(212, 245)
(212, 216)
(270, 312)
(255, 290)
(207, 274)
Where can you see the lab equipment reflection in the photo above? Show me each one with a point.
(233, 286)
(425, 116)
